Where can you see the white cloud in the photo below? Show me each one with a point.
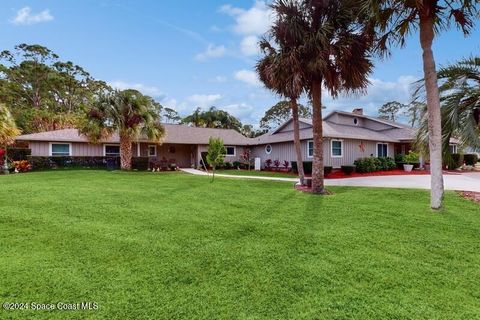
(379, 92)
(25, 16)
(148, 90)
(211, 51)
(247, 76)
(249, 46)
(204, 100)
(250, 24)
(218, 79)
(254, 21)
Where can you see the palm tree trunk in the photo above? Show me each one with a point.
(296, 141)
(434, 114)
(125, 152)
(318, 186)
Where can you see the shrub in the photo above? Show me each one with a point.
(236, 164)
(276, 164)
(268, 163)
(327, 170)
(17, 154)
(387, 163)
(307, 167)
(470, 159)
(365, 165)
(348, 170)
(22, 166)
(285, 164)
(453, 161)
(399, 157)
(228, 165)
(412, 157)
(42, 163)
(140, 163)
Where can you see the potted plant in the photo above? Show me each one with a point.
(410, 159)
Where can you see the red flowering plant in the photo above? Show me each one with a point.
(268, 163)
(276, 164)
(22, 166)
(286, 164)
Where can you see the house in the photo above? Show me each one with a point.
(347, 137)
(182, 143)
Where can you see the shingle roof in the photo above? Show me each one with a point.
(330, 130)
(174, 133)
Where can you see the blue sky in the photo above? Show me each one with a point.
(193, 53)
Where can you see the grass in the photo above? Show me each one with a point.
(175, 246)
(235, 172)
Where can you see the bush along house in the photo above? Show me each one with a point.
(348, 136)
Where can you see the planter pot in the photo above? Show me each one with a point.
(408, 167)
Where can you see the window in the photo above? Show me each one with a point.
(355, 121)
(382, 150)
(230, 151)
(152, 151)
(452, 148)
(111, 150)
(268, 149)
(310, 149)
(337, 148)
(60, 149)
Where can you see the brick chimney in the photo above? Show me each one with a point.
(358, 111)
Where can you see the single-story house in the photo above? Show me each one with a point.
(347, 137)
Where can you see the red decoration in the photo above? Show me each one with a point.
(362, 146)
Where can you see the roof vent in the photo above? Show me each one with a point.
(358, 111)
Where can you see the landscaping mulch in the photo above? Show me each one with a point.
(474, 196)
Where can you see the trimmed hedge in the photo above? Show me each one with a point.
(470, 159)
(307, 167)
(140, 163)
(372, 164)
(18, 154)
(43, 163)
(348, 170)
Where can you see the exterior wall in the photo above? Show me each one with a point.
(42, 149)
(361, 122)
(204, 148)
(289, 126)
(351, 152)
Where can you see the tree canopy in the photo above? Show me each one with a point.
(281, 112)
(43, 92)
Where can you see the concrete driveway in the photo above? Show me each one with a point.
(464, 181)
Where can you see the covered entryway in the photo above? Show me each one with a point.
(183, 155)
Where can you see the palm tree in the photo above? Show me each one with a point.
(127, 112)
(460, 105)
(394, 21)
(281, 71)
(333, 46)
(8, 131)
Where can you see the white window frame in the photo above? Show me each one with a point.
(150, 146)
(378, 143)
(271, 149)
(50, 149)
(234, 151)
(111, 145)
(308, 149)
(331, 148)
(454, 146)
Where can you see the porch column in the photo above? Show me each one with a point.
(138, 149)
(422, 161)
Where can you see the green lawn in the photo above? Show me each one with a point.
(175, 246)
(236, 172)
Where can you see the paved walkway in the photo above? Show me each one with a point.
(465, 181)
